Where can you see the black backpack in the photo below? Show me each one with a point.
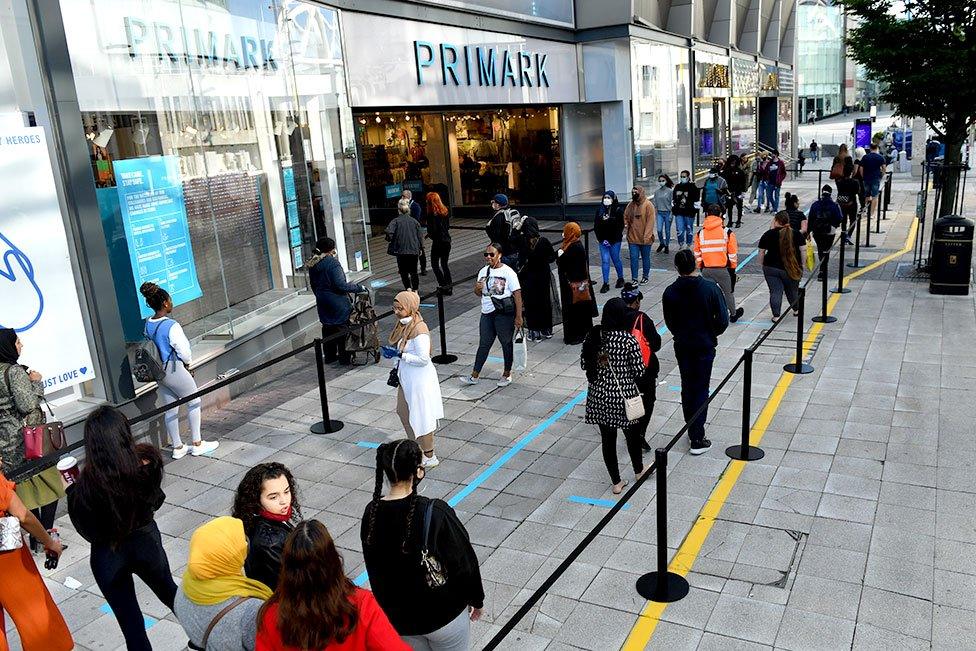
(148, 364)
(817, 221)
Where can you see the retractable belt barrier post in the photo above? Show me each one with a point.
(327, 425)
(797, 366)
(745, 451)
(867, 231)
(857, 244)
(823, 317)
(840, 289)
(662, 585)
(444, 357)
(877, 217)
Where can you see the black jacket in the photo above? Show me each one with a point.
(264, 545)
(439, 228)
(499, 231)
(608, 224)
(695, 313)
(736, 178)
(685, 195)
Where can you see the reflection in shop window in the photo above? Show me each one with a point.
(662, 136)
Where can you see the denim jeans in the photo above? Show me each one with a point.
(772, 196)
(608, 254)
(664, 228)
(495, 326)
(642, 251)
(761, 195)
(695, 368)
(685, 225)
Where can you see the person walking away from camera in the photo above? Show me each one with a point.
(23, 594)
(611, 358)
(849, 193)
(736, 180)
(439, 233)
(217, 605)
(608, 227)
(500, 292)
(499, 228)
(576, 291)
(535, 278)
(825, 217)
(814, 151)
(775, 175)
(663, 201)
(717, 256)
(112, 506)
(839, 162)
(327, 280)
(757, 175)
(649, 340)
(686, 195)
(779, 255)
(266, 502)
(174, 350)
(639, 221)
(417, 212)
(714, 190)
(798, 222)
(406, 236)
(21, 392)
(873, 169)
(419, 402)
(317, 607)
(397, 529)
(801, 160)
(696, 314)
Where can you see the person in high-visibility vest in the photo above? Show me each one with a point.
(717, 255)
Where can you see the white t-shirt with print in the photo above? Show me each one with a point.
(499, 283)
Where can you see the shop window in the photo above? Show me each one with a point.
(662, 136)
(743, 126)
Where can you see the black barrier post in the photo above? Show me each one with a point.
(746, 452)
(586, 245)
(867, 231)
(797, 366)
(857, 243)
(327, 426)
(823, 317)
(443, 358)
(877, 219)
(662, 585)
(840, 289)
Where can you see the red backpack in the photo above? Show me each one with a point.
(645, 347)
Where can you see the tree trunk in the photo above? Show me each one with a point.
(952, 173)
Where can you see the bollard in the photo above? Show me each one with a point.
(823, 317)
(798, 367)
(662, 585)
(857, 244)
(444, 357)
(327, 425)
(744, 451)
(840, 289)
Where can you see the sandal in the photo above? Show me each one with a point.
(619, 488)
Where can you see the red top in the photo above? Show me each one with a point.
(373, 630)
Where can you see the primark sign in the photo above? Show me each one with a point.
(481, 66)
(198, 46)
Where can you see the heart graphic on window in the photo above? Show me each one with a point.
(23, 301)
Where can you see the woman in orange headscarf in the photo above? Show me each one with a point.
(576, 291)
(419, 402)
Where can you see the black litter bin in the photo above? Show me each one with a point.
(952, 255)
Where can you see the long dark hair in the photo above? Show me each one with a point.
(313, 595)
(397, 461)
(787, 251)
(247, 501)
(114, 477)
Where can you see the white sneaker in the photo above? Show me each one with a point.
(205, 447)
(180, 452)
(505, 381)
(431, 462)
(469, 379)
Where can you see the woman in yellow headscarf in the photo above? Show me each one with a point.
(576, 292)
(215, 588)
(419, 402)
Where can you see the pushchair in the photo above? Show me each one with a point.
(363, 340)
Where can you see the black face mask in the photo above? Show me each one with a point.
(635, 196)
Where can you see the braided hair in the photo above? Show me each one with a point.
(397, 461)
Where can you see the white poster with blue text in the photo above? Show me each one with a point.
(37, 286)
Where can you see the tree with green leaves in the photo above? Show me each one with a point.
(924, 54)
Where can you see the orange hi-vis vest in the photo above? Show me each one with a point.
(715, 245)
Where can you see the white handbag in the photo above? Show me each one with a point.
(520, 352)
(11, 537)
(633, 407)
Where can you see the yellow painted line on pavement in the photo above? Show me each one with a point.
(684, 558)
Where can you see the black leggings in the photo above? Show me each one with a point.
(734, 202)
(632, 436)
(46, 515)
(142, 554)
(407, 266)
(439, 253)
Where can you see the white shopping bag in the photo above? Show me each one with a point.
(521, 352)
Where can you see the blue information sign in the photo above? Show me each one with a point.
(291, 208)
(394, 190)
(288, 177)
(154, 217)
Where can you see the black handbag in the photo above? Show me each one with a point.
(434, 572)
(394, 379)
(505, 305)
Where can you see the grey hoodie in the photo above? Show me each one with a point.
(662, 199)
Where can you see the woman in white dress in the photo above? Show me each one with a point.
(419, 403)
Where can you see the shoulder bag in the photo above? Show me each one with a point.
(39, 440)
(434, 572)
(633, 407)
(11, 537)
(505, 305)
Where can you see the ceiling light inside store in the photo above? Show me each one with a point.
(378, 119)
(407, 118)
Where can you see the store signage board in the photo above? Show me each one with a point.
(40, 299)
(394, 62)
(156, 227)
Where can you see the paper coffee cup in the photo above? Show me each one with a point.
(68, 467)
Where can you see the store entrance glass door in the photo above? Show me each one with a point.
(710, 128)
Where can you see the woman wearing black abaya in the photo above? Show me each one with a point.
(575, 290)
(536, 278)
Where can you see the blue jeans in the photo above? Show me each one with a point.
(608, 253)
(695, 367)
(664, 228)
(686, 229)
(772, 196)
(761, 195)
(642, 251)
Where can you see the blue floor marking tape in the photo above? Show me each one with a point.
(748, 258)
(367, 444)
(595, 502)
(428, 305)
(379, 283)
(505, 458)
(148, 621)
(496, 360)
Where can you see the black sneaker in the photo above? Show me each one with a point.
(700, 447)
(848, 241)
(660, 247)
(620, 283)
(738, 224)
(645, 446)
(667, 249)
(644, 281)
(737, 315)
(605, 288)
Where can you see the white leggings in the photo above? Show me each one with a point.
(450, 637)
(177, 384)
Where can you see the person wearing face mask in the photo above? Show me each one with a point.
(419, 402)
(685, 197)
(663, 199)
(775, 175)
(715, 189)
(608, 226)
(640, 221)
(327, 280)
(737, 180)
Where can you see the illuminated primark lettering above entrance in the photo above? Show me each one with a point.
(244, 52)
(479, 66)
